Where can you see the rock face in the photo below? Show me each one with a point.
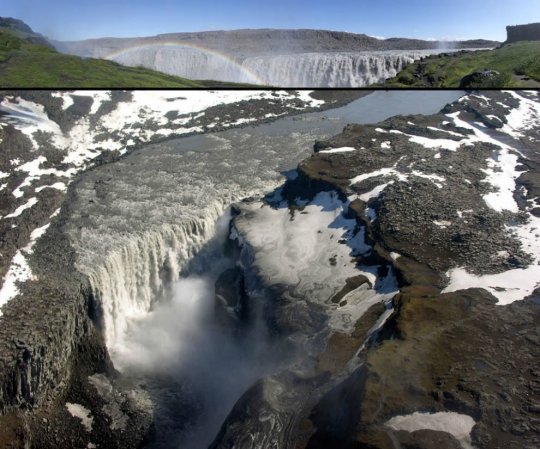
(420, 187)
(14, 24)
(23, 30)
(529, 32)
(52, 345)
(396, 272)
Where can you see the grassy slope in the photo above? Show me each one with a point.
(514, 62)
(23, 64)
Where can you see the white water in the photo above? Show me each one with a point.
(354, 69)
(163, 218)
(186, 62)
(194, 367)
(129, 279)
(159, 207)
(321, 69)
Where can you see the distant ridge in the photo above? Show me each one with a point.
(249, 42)
(22, 30)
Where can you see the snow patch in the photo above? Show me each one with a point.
(502, 174)
(456, 424)
(19, 270)
(508, 286)
(85, 415)
(453, 133)
(374, 193)
(57, 185)
(305, 96)
(522, 118)
(338, 150)
(447, 144)
(381, 172)
(30, 203)
(442, 223)
(98, 97)
(67, 100)
(28, 117)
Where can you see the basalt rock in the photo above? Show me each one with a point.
(455, 352)
(529, 32)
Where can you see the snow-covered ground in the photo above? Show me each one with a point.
(312, 253)
(19, 270)
(502, 172)
(456, 424)
(142, 119)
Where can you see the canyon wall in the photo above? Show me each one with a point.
(529, 32)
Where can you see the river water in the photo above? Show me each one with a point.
(139, 223)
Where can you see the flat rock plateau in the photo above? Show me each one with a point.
(393, 275)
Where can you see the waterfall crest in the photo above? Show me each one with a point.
(316, 69)
(187, 62)
(133, 275)
(331, 69)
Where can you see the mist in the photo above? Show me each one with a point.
(194, 365)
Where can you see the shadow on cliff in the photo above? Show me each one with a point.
(193, 354)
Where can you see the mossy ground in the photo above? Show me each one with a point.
(518, 64)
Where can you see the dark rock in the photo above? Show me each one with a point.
(529, 32)
(482, 79)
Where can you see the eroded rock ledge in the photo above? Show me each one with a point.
(429, 191)
(52, 349)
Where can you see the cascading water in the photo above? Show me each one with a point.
(187, 62)
(193, 365)
(145, 228)
(129, 280)
(318, 69)
(331, 69)
(142, 226)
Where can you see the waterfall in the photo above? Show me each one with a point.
(187, 62)
(352, 69)
(131, 276)
(321, 69)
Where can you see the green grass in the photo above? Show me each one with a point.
(513, 61)
(26, 65)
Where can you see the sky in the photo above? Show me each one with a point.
(426, 19)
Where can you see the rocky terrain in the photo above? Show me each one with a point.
(47, 140)
(393, 278)
(448, 202)
(529, 32)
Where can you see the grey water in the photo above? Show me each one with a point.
(194, 367)
(290, 139)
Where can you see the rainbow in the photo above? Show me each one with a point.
(251, 77)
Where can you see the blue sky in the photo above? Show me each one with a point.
(441, 19)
